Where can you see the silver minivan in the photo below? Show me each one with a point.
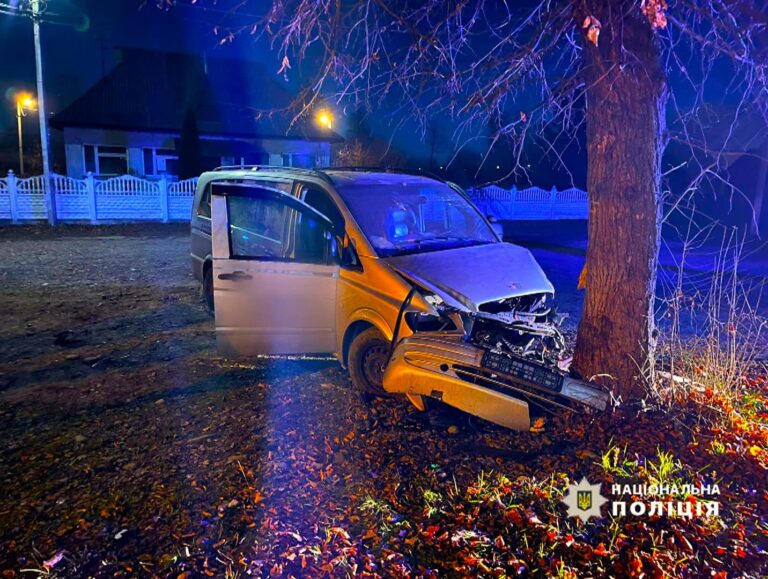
(399, 276)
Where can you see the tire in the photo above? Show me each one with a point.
(207, 290)
(368, 356)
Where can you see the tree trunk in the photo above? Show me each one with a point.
(626, 101)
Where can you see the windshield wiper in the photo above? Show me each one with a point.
(438, 238)
(415, 246)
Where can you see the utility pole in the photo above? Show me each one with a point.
(50, 195)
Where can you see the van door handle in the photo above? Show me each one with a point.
(235, 276)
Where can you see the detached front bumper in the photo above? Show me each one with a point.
(491, 386)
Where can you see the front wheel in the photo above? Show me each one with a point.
(368, 358)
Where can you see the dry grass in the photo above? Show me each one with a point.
(713, 339)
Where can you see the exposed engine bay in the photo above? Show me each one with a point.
(525, 326)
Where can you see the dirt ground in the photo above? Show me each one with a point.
(126, 442)
(128, 447)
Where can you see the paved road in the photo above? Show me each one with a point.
(560, 248)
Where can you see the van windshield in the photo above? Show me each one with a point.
(410, 215)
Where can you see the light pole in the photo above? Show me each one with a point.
(24, 103)
(38, 7)
(35, 9)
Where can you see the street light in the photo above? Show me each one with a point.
(35, 10)
(325, 119)
(24, 103)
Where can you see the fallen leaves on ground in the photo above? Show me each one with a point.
(156, 457)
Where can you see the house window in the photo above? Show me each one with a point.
(105, 160)
(303, 161)
(149, 161)
(90, 159)
(249, 159)
(168, 165)
(161, 162)
(256, 159)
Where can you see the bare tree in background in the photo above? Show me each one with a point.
(362, 149)
(606, 63)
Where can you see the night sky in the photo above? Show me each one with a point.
(80, 42)
(82, 38)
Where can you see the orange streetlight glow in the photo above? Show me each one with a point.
(25, 101)
(325, 119)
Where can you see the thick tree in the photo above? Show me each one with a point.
(625, 68)
(626, 102)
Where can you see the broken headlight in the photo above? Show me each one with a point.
(435, 321)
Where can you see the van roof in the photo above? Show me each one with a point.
(376, 178)
(336, 175)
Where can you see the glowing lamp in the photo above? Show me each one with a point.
(25, 101)
(325, 119)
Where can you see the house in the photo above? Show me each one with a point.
(133, 119)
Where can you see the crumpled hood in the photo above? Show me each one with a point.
(475, 275)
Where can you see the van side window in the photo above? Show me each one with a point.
(312, 239)
(204, 209)
(319, 199)
(257, 227)
(268, 228)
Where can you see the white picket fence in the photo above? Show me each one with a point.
(123, 198)
(532, 203)
(128, 198)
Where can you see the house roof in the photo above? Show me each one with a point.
(152, 91)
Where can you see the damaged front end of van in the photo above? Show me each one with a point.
(485, 339)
